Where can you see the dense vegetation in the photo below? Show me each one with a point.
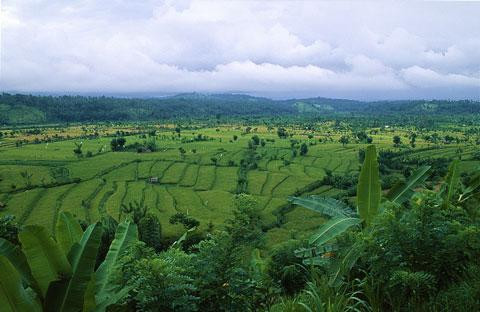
(29, 109)
(326, 213)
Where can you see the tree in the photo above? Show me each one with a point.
(282, 133)
(413, 137)
(255, 140)
(361, 136)
(136, 210)
(187, 221)
(214, 160)
(235, 137)
(149, 227)
(397, 141)
(150, 231)
(303, 149)
(118, 144)
(246, 224)
(344, 140)
(182, 152)
(78, 149)
(27, 176)
(158, 282)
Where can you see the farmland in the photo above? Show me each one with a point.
(194, 170)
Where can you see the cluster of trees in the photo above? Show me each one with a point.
(29, 109)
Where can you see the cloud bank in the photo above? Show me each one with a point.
(371, 50)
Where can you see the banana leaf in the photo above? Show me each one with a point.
(451, 182)
(403, 191)
(126, 234)
(323, 205)
(44, 256)
(19, 261)
(13, 297)
(68, 231)
(68, 295)
(368, 187)
(333, 228)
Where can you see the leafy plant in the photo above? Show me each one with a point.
(58, 275)
(342, 218)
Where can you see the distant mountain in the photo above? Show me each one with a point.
(30, 109)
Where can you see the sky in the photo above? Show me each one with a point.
(280, 49)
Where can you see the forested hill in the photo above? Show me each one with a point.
(29, 109)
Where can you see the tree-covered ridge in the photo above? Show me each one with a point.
(31, 109)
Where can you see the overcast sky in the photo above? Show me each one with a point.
(361, 50)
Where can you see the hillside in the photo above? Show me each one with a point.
(29, 109)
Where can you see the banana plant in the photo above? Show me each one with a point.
(451, 182)
(369, 202)
(471, 190)
(48, 274)
(452, 192)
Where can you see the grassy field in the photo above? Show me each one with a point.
(201, 182)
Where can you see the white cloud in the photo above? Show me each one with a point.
(341, 49)
(426, 78)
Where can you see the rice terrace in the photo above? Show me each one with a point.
(194, 169)
(239, 156)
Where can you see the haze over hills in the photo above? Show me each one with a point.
(30, 109)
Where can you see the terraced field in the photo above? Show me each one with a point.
(200, 183)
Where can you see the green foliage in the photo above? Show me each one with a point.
(78, 149)
(46, 259)
(150, 231)
(117, 144)
(451, 182)
(105, 291)
(187, 221)
(13, 296)
(246, 225)
(323, 205)
(136, 210)
(303, 149)
(414, 253)
(344, 140)
(68, 294)
(59, 278)
(403, 191)
(158, 282)
(224, 282)
(319, 297)
(333, 228)
(17, 258)
(9, 229)
(397, 140)
(286, 269)
(68, 231)
(368, 188)
(461, 296)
